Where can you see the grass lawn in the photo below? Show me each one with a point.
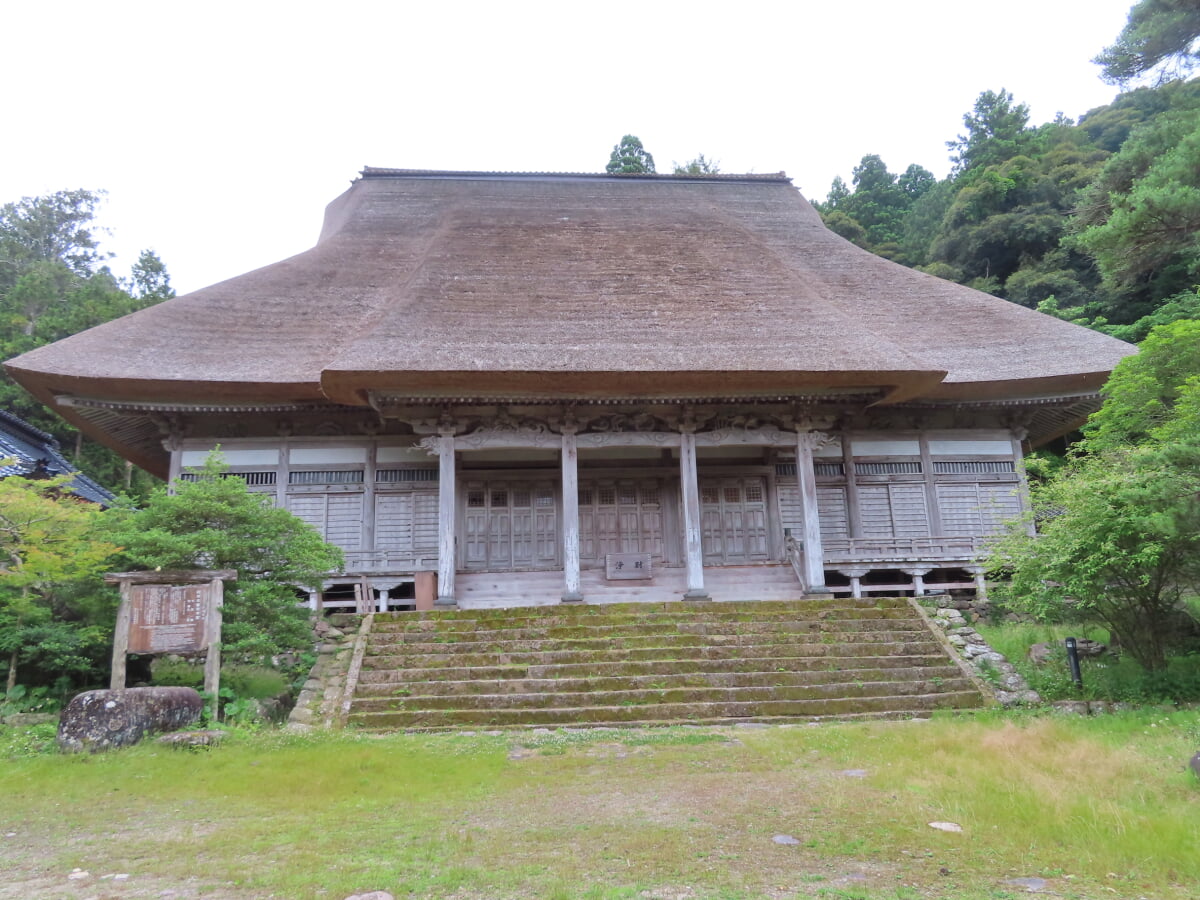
(1097, 808)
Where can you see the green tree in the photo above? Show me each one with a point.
(53, 284)
(1120, 539)
(148, 279)
(214, 522)
(1144, 391)
(629, 157)
(1120, 526)
(1160, 35)
(996, 131)
(1141, 218)
(48, 542)
(698, 166)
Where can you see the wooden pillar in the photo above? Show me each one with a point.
(174, 444)
(853, 518)
(282, 474)
(212, 636)
(931, 496)
(814, 552)
(570, 515)
(368, 510)
(446, 526)
(690, 492)
(1018, 445)
(121, 640)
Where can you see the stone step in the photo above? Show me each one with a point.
(666, 643)
(669, 712)
(664, 697)
(652, 669)
(530, 691)
(629, 613)
(706, 652)
(551, 625)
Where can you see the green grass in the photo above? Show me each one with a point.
(612, 814)
(1104, 678)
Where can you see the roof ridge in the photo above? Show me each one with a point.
(384, 172)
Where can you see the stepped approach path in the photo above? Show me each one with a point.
(653, 664)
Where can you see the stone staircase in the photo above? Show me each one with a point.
(494, 590)
(655, 663)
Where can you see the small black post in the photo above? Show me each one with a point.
(1073, 662)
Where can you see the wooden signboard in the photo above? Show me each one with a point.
(627, 566)
(170, 612)
(167, 618)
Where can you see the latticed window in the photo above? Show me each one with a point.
(476, 499)
(522, 499)
(888, 468)
(326, 477)
(544, 498)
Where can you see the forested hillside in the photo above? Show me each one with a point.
(1097, 221)
(54, 283)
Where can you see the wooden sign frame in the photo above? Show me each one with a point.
(213, 579)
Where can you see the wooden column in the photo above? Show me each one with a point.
(174, 444)
(283, 474)
(690, 492)
(570, 514)
(931, 496)
(446, 527)
(368, 510)
(1018, 445)
(212, 636)
(814, 552)
(853, 518)
(121, 639)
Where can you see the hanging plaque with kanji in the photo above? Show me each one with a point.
(165, 618)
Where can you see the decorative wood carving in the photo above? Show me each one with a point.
(766, 436)
(629, 439)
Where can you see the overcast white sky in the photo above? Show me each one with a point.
(220, 130)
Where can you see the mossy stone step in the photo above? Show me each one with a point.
(651, 668)
(863, 620)
(668, 712)
(665, 642)
(628, 613)
(696, 679)
(662, 696)
(705, 651)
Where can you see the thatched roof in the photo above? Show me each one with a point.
(445, 284)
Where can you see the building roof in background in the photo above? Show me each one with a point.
(33, 453)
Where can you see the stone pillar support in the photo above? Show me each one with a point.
(918, 574)
(977, 572)
(447, 476)
(855, 574)
(570, 525)
(690, 491)
(814, 552)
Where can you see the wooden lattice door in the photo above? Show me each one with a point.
(620, 517)
(733, 520)
(510, 525)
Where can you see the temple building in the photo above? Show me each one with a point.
(593, 387)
